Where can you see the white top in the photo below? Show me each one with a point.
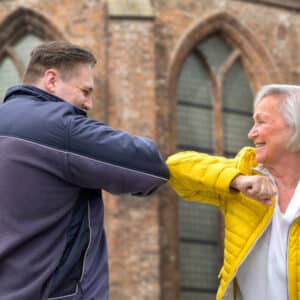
(263, 275)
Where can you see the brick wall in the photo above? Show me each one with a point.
(81, 22)
(133, 227)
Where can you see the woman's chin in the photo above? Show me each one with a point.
(259, 157)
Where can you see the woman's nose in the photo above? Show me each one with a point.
(252, 133)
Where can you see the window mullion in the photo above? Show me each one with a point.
(17, 61)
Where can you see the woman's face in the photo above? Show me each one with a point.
(270, 132)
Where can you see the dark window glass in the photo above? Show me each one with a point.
(213, 68)
(13, 63)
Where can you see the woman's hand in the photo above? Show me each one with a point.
(257, 187)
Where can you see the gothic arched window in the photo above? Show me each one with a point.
(214, 108)
(13, 61)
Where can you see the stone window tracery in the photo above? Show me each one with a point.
(20, 32)
(214, 108)
(13, 61)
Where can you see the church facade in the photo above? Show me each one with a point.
(184, 73)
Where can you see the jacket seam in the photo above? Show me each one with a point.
(86, 157)
(84, 261)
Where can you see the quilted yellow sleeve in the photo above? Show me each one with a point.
(201, 177)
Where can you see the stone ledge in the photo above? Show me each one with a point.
(288, 4)
(130, 9)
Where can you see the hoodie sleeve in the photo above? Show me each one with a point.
(113, 160)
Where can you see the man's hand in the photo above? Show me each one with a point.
(257, 187)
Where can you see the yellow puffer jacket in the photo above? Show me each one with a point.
(203, 178)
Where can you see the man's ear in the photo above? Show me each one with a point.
(51, 76)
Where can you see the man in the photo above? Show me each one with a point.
(54, 161)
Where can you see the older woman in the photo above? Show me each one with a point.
(262, 238)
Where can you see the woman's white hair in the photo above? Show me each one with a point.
(289, 96)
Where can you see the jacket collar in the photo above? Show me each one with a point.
(38, 94)
(264, 171)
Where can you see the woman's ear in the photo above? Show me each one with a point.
(50, 79)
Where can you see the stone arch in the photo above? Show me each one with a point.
(26, 21)
(258, 63)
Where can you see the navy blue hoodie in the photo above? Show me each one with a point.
(54, 161)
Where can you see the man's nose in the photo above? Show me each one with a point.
(88, 104)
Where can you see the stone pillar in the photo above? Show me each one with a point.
(132, 223)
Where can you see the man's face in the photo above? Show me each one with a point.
(78, 88)
(270, 132)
